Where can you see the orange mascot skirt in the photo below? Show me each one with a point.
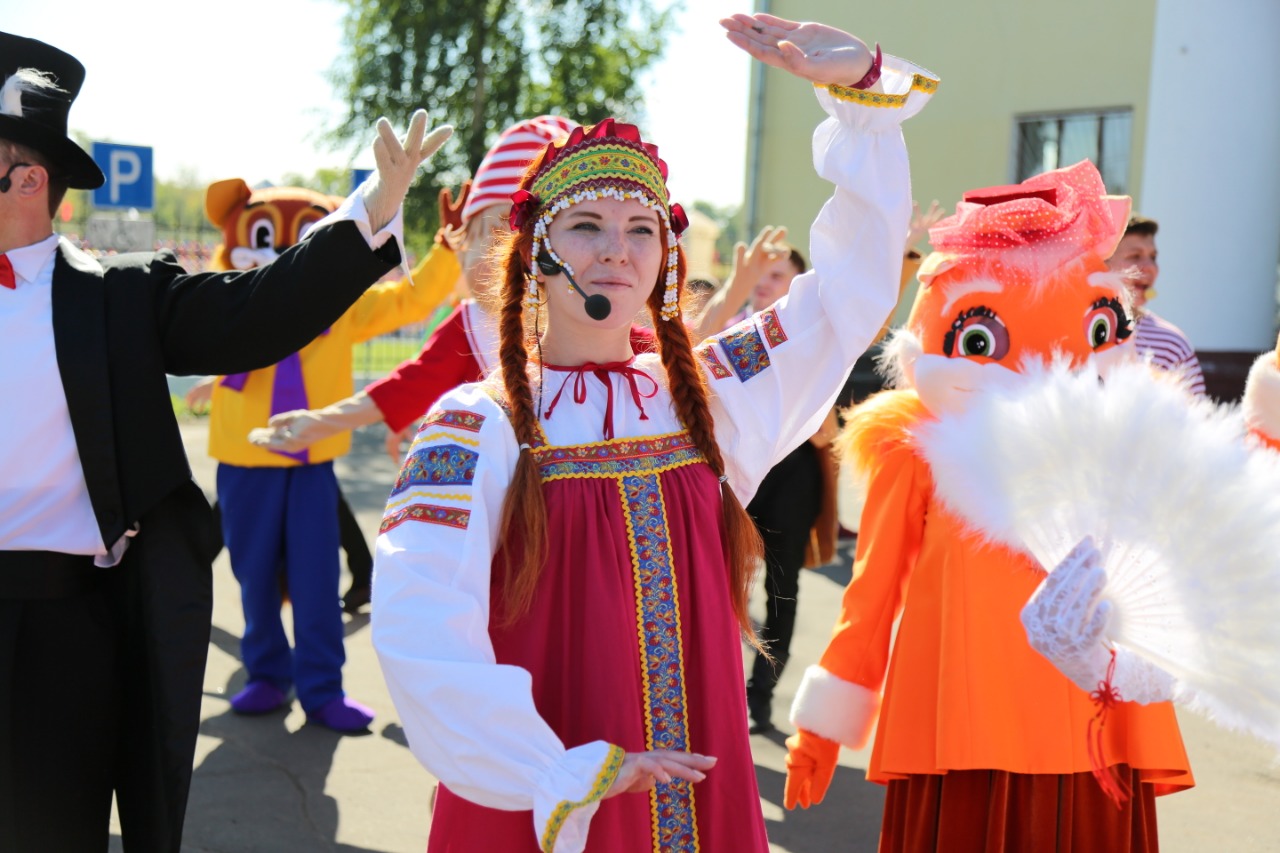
(993, 811)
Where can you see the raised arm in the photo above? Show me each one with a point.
(233, 322)
(775, 376)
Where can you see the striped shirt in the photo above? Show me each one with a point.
(1168, 348)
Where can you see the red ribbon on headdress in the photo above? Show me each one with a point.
(524, 205)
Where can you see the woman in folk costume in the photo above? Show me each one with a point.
(561, 578)
(981, 741)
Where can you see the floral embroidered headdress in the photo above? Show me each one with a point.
(605, 160)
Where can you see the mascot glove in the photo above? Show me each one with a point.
(811, 763)
(1066, 621)
(397, 163)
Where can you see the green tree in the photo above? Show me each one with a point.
(481, 64)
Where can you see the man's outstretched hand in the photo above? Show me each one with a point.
(397, 163)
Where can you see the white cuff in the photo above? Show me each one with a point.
(1262, 396)
(904, 90)
(835, 709)
(569, 795)
(352, 209)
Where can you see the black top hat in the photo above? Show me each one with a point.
(38, 119)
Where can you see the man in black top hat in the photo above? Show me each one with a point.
(105, 590)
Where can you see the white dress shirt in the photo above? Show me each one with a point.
(44, 502)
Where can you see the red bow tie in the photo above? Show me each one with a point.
(7, 278)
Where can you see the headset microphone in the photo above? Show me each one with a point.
(597, 305)
(6, 181)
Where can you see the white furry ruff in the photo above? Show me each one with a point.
(1186, 513)
(1262, 396)
(835, 709)
(24, 81)
(896, 357)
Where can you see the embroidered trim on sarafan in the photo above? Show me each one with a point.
(604, 779)
(773, 332)
(446, 516)
(707, 352)
(919, 83)
(617, 457)
(666, 718)
(745, 349)
(456, 418)
(437, 465)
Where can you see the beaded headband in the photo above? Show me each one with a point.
(606, 160)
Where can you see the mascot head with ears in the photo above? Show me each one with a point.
(258, 224)
(1018, 274)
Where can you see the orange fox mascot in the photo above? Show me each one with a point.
(979, 739)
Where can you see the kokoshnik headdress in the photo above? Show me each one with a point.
(605, 160)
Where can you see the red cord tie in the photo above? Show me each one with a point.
(1106, 697)
(601, 372)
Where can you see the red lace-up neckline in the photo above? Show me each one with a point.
(578, 374)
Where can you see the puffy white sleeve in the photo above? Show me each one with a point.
(775, 375)
(469, 720)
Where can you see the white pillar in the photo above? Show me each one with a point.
(1212, 169)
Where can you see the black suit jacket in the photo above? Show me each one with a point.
(120, 325)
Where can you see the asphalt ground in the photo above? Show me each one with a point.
(275, 785)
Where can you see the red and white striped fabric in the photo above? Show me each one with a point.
(502, 167)
(1169, 349)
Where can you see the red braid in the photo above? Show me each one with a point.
(525, 509)
(743, 546)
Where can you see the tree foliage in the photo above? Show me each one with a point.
(481, 64)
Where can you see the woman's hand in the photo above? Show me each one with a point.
(642, 770)
(813, 51)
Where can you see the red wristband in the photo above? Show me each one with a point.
(871, 77)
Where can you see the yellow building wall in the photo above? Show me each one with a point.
(997, 59)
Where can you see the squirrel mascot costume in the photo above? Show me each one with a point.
(279, 510)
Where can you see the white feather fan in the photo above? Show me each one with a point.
(1185, 511)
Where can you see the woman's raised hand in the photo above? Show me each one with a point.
(813, 51)
(642, 770)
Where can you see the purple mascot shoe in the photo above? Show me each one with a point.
(259, 697)
(342, 714)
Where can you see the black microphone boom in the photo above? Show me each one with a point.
(597, 305)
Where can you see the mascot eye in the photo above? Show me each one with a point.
(1106, 323)
(977, 332)
(262, 234)
(303, 229)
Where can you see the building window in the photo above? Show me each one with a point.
(1049, 141)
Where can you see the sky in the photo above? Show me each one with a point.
(239, 88)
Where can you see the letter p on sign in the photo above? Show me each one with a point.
(130, 182)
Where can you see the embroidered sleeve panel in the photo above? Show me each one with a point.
(744, 346)
(459, 419)
(707, 352)
(438, 473)
(772, 325)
